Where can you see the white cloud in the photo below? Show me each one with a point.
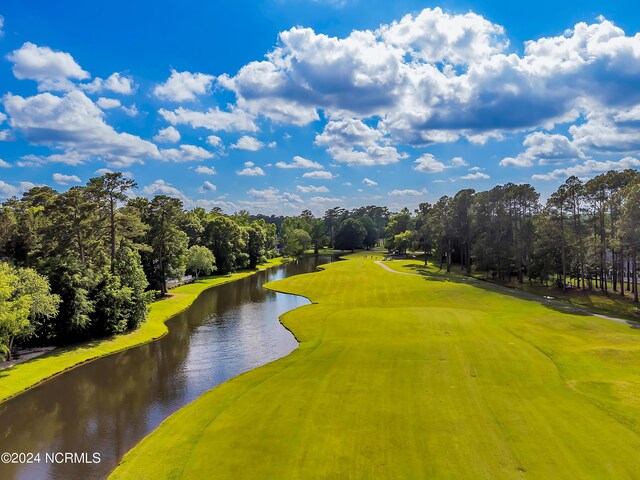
(300, 162)
(214, 141)
(589, 168)
(7, 190)
(475, 176)
(433, 77)
(104, 171)
(75, 124)
(160, 187)
(185, 153)
(183, 86)
(407, 193)
(205, 170)
(167, 135)
(427, 163)
(248, 143)
(435, 36)
(213, 119)
(369, 183)
(319, 175)
(108, 103)
(311, 189)
(544, 149)
(6, 135)
(62, 179)
(116, 83)
(458, 162)
(4, 164)
(353, 142)
(250, 170)
(207, 187)
(68, 158)
(52, 70)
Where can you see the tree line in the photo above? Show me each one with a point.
(86, 263)
(585, 235)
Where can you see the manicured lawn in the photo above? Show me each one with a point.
(408, 377)
(23, 376)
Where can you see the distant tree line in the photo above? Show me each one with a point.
(87, 262)
(586, 234)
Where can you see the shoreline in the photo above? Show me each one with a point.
(21, 377)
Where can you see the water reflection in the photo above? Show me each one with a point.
(109, 405)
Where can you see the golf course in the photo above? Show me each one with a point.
(418, 376)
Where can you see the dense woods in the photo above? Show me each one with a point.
(85, 263)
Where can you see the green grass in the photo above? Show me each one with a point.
(409, 377)
(21, 377)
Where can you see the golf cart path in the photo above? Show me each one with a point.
(528, 296)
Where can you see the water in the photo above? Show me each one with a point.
(107, 406)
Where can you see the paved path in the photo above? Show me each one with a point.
(527, 296)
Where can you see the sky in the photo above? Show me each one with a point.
(276, 106)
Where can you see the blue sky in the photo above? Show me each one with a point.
(279, 105)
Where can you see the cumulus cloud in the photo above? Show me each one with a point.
(214, 141)
(369, 183)
(353, 142)
(183, 86)
(427, 163)
(76, 125)
(68, 158)
(53, 70)
(433, 77)
(246, 142)
(62, 179)
(161, 187)
(117, 83)
(4, 164)
(167, 135)
(185, 153)
(205, 170)
(250, 170)
(475, 176)
(544, 149)
(8, 190)
(213, 119)
(435, 36)
(271, 198)
(319, 175)
(300, 162)
(407, 193)
(589, 168)
(108, 103)
(207, 187)
(311, 189)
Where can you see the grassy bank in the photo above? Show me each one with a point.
(402, 376)
(21, 377)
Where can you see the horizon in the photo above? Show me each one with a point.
(318, 103)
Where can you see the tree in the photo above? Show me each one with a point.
(25, 297)
(107, 191)
(200, 259)
(168, 243)
(225, 239)
(371, 238)
(629, 224)
(318, 235)
(257, 241)
(350, 235)
(296, 242)
(404, 241)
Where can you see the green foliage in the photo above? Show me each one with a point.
(296, 241)
(200, 259)
(350, 235)
(25, 299)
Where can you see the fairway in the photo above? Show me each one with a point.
(412, 377)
